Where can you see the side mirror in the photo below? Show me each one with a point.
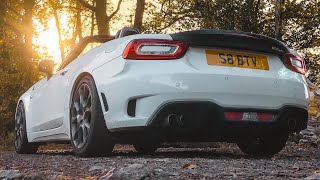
(47, 67)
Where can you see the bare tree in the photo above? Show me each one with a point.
(278, 18)
(28, 6)
(56, 17)
(138, 17)
(78, 27)
(65, 44)
(102, 18)
(92, 20)
(3, 10)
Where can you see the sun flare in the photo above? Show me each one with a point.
(48, 39)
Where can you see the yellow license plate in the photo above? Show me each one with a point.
(236, 59)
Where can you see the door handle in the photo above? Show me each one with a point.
(63, 73)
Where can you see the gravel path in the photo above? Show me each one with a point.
(225, 161)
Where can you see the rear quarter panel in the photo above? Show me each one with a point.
(99, 63)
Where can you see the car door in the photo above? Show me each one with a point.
(48, 103)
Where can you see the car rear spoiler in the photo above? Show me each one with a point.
(232, 39)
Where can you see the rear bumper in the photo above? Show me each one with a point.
(136, 90)
(205, 121)
(149, 92)
(207, 115)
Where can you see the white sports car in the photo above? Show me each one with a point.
(146, 89)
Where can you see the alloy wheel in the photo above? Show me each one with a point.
(18, 128)
(81, 113)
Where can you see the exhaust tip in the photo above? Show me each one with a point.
(172, 120)
(181, 120)
(292, 124)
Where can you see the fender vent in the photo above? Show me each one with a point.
(105, 103)
(132, 108)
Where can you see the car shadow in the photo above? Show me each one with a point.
(164, 153)
(176, 153)
(224, 152)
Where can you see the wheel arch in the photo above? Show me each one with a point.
(75, 83)
(25, 100)
(19, 101)
(18, 104)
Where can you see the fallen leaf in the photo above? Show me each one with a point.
(189, 166)
(107, 175)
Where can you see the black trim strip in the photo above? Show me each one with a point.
(131, 110)
(105, 103)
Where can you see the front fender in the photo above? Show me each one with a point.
(25, 98)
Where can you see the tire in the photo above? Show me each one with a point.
(88, 130)
(264, 146)
(146, 148)
(21, 142)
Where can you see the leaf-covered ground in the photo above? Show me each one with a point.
(223, 161)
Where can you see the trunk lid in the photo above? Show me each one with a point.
(233, 53)
(232, 40)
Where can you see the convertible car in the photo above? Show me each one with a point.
(147, 89)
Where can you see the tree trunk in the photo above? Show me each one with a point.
(100, 9)
(3, 10)
(278, 19)
(28, 28)
(138, 17)
(79, 22)
(56, 17)
(101, 17)
(92, 20)
(78, 29)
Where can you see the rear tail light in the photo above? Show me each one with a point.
(265, 117)
(295, 63)
(248, 116)
(154, 49)
(234, 116)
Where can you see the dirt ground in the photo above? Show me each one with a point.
(223, 161)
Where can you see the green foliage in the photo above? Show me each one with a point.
(202, 14)
(302, 32)
(6, 142)
(164, 15)
(16, 75)
(313, 66)
(233, 15)
(302, 24)
(300, 21)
